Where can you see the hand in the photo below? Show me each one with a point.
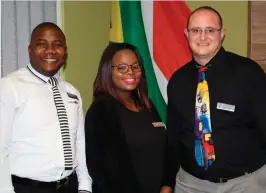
(166, 189)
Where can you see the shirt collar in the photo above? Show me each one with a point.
(218, 58)
(41, 76)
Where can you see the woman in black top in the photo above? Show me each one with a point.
(125, 138)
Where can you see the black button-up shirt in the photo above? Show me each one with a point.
(239, 136)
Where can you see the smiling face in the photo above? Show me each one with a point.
(129, 81)
(204, 45)
(47, 50)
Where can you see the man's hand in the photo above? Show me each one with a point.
(166, 189)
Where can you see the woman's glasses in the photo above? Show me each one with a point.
(124, 68)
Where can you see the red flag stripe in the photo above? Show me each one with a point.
(170, 47)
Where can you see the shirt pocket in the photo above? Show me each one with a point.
(231, 112)
(224, 115)
(73, 106)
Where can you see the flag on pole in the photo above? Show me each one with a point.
(156, 28)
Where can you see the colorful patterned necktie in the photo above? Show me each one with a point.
(204, 148)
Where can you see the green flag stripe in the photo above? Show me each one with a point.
(134, 33)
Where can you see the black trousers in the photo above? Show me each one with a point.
(70, 187)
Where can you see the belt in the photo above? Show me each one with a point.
(226, 179)
(221, 180)
(40, 184)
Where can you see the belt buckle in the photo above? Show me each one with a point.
(223, 180)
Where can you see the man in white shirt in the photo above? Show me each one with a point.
(42, 145)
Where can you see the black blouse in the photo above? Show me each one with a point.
(124, 149)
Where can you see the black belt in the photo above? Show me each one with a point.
(225, 179)
(40, 184)
(221, 180)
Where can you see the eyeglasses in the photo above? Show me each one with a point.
(124, 68)
(209, 31)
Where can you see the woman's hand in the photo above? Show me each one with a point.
(166, 189)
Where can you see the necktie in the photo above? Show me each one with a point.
(63, 121)
(204, 148)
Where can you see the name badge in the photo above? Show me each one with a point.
(158, 124)
(72, 96)
(226, 107)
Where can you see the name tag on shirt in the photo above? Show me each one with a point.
(158, 124)
(72, 96)
(226, 107)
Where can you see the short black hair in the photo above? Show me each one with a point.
(45, 25)
(209, 9)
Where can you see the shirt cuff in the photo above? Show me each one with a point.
(85, 185)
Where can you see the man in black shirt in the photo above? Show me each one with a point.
(237, 107)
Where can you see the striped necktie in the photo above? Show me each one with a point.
(204, 148)
(63, 121)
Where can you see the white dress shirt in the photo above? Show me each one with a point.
(30, 135)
